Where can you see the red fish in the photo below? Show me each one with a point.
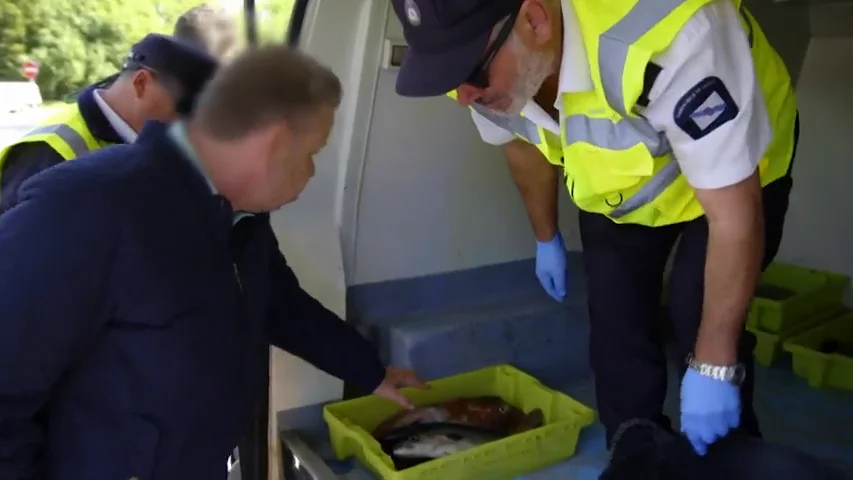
(488, 413)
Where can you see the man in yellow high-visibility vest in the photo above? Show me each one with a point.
(159, 80)
(668, 119)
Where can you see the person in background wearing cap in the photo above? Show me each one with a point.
(159, 81)
(141, 283)
(213, 29)
(667, 120)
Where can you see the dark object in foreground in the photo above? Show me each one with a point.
(835, 346)
(416, 436)
(643, 450)
(773, 292)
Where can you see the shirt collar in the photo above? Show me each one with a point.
(178, 134)
(575, 76)
(121, 127)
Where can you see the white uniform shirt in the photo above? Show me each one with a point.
(722, 139)
(119, 125)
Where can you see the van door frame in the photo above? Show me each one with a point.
(253, 450)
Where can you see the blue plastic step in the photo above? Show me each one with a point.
(441, 325)
(394, 301)
(538, 335)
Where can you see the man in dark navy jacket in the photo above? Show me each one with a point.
(138, 282)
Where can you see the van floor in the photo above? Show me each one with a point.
(816, 421)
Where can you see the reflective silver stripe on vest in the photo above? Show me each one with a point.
(621, 135)
(628, 131)
(66, 133)
(649, 191)
(519, 124)
(615, 42)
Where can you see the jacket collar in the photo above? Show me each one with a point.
(160, 148)
(95, 119)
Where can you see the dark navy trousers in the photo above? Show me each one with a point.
(624, 266)
(643, 452)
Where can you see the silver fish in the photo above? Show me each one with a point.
(440, 441)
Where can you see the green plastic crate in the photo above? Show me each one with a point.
(832, 370)
(351, 421)
(814, 292)
(768, 346)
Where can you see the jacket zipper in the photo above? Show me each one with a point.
(237, 277)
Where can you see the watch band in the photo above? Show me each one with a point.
(733, 374)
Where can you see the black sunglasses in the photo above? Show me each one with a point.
(480, 76)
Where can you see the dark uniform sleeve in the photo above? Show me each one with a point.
(22, 162)
(56, 246)
(301, 325)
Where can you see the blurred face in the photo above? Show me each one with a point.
(522, 54)
(289, 163)
(155, 97)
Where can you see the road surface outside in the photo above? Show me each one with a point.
(15, 125)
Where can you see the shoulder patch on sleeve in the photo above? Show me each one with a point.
(704, 108)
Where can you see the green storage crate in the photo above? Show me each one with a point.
(789, 296)
(768, 345)
(351, 421)
(832, 370)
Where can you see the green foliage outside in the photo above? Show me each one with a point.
(273, 19)
(78, 42)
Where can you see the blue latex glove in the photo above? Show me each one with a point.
(709, 409)
(551, 266)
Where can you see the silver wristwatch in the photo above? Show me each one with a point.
(733, 374)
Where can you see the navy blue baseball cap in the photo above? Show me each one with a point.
(446, 41)
(180, 61)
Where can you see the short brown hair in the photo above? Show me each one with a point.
(212, 28)
(262, 86)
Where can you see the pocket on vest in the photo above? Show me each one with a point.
(609, 171)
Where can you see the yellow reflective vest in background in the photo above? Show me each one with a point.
(615, 163)
(65, 131)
